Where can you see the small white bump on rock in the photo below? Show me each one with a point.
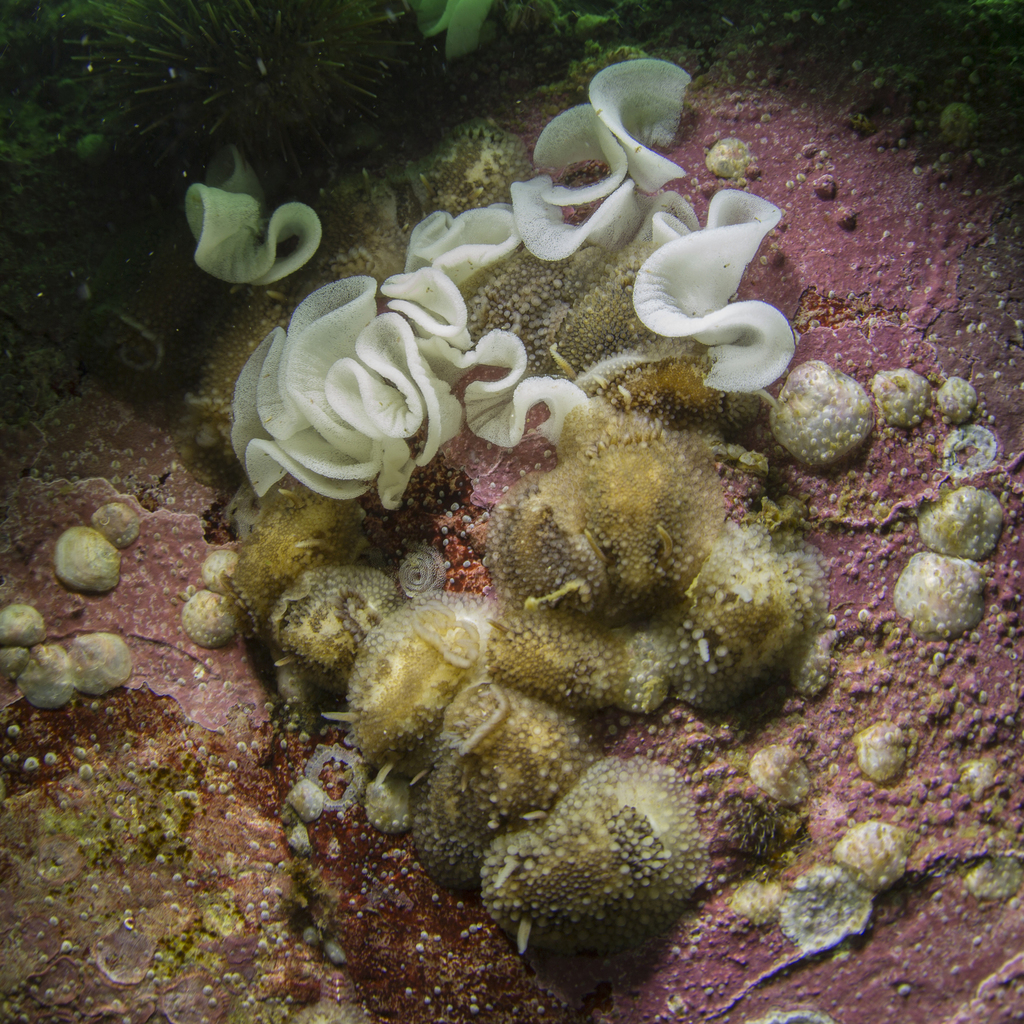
(881, 751)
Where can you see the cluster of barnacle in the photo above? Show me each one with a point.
(617, 580)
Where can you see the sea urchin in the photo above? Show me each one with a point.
(251, 72)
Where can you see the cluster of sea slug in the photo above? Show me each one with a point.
(477, 767)
(616, 579)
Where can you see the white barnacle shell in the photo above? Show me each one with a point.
(307, 799)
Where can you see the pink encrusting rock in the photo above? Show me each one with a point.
(899, 247)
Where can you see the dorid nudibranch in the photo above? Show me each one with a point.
(758, 598)
(613, 863)
(619, 529)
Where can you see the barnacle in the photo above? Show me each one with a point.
(780, 772)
